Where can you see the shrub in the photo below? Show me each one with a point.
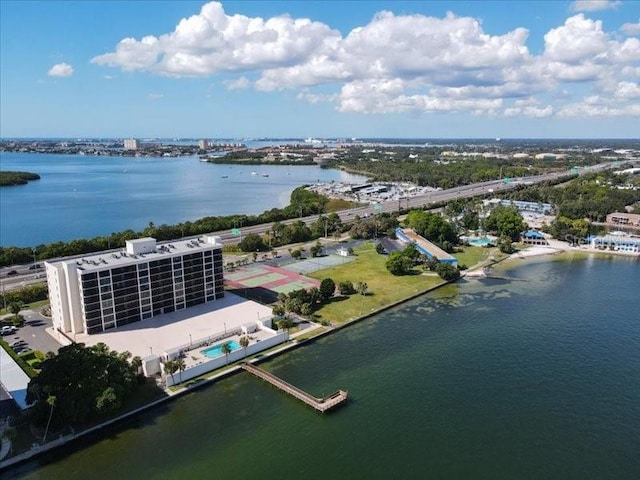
(346, 288)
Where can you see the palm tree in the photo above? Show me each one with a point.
(136, 363)
(226, 349)
(51, 400)
(244, 342)
(179, 362)
(170, 368)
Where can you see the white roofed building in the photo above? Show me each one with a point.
(106, 290)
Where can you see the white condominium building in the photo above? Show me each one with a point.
(106, 290)
(131, 144)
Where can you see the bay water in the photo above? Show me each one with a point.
(535, 378)
(82, 196)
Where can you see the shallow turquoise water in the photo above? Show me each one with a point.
(537, 379)
(216, 350)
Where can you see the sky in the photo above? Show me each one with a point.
(302, 68)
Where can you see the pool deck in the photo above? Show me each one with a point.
(164, 332)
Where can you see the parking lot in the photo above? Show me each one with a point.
(33, 334)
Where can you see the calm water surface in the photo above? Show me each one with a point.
(83, 196)
(532, 379)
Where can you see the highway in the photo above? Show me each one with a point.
(26, 276)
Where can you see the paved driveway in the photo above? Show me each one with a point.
(33, 332)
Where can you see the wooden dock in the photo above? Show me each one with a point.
(320, 404)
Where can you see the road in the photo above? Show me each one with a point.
(26, 276)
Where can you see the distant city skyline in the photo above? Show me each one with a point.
(246, 69)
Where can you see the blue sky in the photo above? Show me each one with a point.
(435, 69)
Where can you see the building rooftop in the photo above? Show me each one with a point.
(142, 248)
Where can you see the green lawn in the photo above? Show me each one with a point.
(384, 288)
(471, 256)
(29, 306)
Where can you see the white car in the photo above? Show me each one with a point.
(7, 330)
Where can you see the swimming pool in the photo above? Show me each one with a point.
(480, 242)
(216, 350)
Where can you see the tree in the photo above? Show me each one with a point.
(505, 245)
(362, 288)
(244, 342)
(296, 254)
(15, 307)
(278, 310)
(170, 367)
(399, 264)
(226, 349)
(78, 377)
(136, 364)
(252, 243)
(346, 288)
(51, 401)
(447, 272)
(327, 288)
(181, 366)
(505, 221)
(432, 226)
(316, 250)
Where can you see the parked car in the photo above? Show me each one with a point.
(17, 344)
(10, 273)
(35, 266)
(7, 330)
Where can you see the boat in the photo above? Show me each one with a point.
(225, 176)
(254, 173)
(265, 174)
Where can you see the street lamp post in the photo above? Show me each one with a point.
(190, 341)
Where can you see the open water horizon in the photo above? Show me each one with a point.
(530, 379)
(82, 196)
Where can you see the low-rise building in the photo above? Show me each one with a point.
(533, 237)
(617, 242)
(627, 219)
(424, 246)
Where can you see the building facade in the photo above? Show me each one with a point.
(131, 144)
(618, 218)
(108, 290)
(617, 242)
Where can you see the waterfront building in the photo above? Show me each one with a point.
(131, 144)
(618, 242)
(203, 144)
(534, 237)
(537, 208)
(627, 219)
(106, 290)
(424, 246)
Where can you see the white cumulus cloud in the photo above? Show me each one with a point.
(400, 63)
(239, 83)
(631, 29)
(60, 70)
(594, 5)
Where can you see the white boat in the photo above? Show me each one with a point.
(254, 173)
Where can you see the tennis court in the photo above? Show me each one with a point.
(317, 263)
(264, 282)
